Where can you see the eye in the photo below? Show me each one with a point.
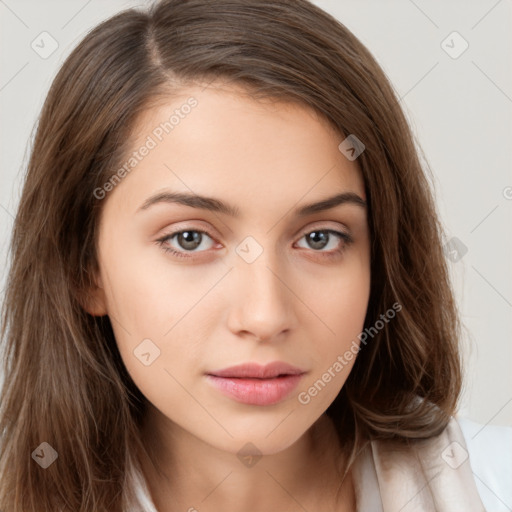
(188, 240)
(192, 241)
(319, 239)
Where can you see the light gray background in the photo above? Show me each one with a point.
(460, 109)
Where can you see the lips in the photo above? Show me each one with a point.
(253, 384)
(256, 371)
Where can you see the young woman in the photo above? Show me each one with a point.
(228, 290)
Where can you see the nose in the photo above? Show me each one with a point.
(263, 304)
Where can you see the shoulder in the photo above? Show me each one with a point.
(137, 497)
(430, 474)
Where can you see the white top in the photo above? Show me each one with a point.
(490, 457)
(461, 470)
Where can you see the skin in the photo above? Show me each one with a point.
(213, 309)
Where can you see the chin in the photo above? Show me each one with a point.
(268, 437)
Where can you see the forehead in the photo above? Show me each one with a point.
(220, 141)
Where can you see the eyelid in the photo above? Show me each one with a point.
(174, 232)
(324, 226)
(187, 226)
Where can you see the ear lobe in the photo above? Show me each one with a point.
(94, 301)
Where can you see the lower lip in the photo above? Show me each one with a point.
(256, 391)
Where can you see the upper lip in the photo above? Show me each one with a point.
(257, 371)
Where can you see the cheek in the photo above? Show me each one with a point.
(340, 308)
(340, 300)
(148, 294)
(161, 314)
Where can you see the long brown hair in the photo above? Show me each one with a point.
(65, 383)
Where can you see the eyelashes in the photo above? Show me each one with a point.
(189, 236)
(164, 240)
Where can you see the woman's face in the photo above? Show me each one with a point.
(240, 276)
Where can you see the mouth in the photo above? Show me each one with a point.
(253, 384)
(256, 371)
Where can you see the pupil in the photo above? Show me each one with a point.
(318, 239)
(190, 239)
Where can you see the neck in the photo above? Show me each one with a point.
(185, 473)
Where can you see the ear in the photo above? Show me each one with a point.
(93, 300)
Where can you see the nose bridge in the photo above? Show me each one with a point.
(262, 303)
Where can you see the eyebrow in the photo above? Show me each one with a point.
(216, 205)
